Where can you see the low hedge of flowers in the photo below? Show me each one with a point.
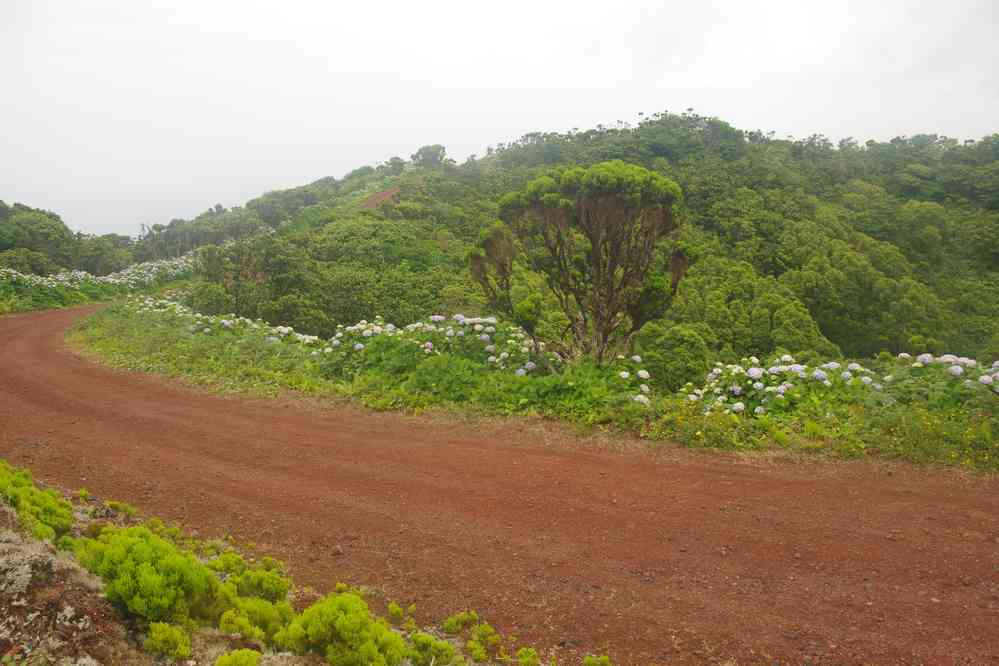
(937, 409)
(443, 360)
(927, 408)
(781, 386)
(22, 291)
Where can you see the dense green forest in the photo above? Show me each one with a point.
(788, 244)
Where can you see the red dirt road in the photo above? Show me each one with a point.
(672, 558)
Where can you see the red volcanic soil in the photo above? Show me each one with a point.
(668, 557)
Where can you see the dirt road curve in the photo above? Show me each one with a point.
(674, 559)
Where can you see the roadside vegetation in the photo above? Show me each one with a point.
(173, 588)
(926, 409)
(22, 292)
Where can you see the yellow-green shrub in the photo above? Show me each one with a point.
(168, 641)
(341, 628)
(43, 512)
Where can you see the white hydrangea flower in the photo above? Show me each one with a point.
(624, 374)
(644, 388)
(759, 411)
(986, 379)
(636, 358)
(738, 407)
(358, 347)
(956, 370)
(924, 359)
(755, 373)
(641, 399)
(643, 374)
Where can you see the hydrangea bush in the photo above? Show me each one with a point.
(474, 361)
(933, 409)
(24, 291)
(136, 276)
(754, 388)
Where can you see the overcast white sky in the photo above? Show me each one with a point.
(114, 113)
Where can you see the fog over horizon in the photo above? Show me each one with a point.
(122, 113)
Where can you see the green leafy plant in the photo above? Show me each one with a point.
(427, 650)
(149, 576)
(341, 628)
(527, 656)
(45, 513)
(593, 660)
(242, 657)
(168, 641)
(457, 623)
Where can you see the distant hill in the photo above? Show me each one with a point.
(793, 243)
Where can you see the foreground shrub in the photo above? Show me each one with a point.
(341, 628)
(45, 513)
(430, 651)
(593, 660)
(149, 576)
(168, 641)
(239, 658)
(256, 619)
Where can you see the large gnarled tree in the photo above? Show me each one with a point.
(593, 233)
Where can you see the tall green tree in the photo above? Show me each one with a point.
(593, 233)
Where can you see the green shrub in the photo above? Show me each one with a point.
(395, 613)
(269, 585)
(477, 651)
(210, 298)
(149, 576)
(448, 378)
(427, 650)
(239, 658)
(673, 355)
(45, 513)
(528, 657)
(168, 641)
(458, 622)
(341, 628)
(255, 618)
(229, 562)
(123, 508)
(592, 660)
(484, 639)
